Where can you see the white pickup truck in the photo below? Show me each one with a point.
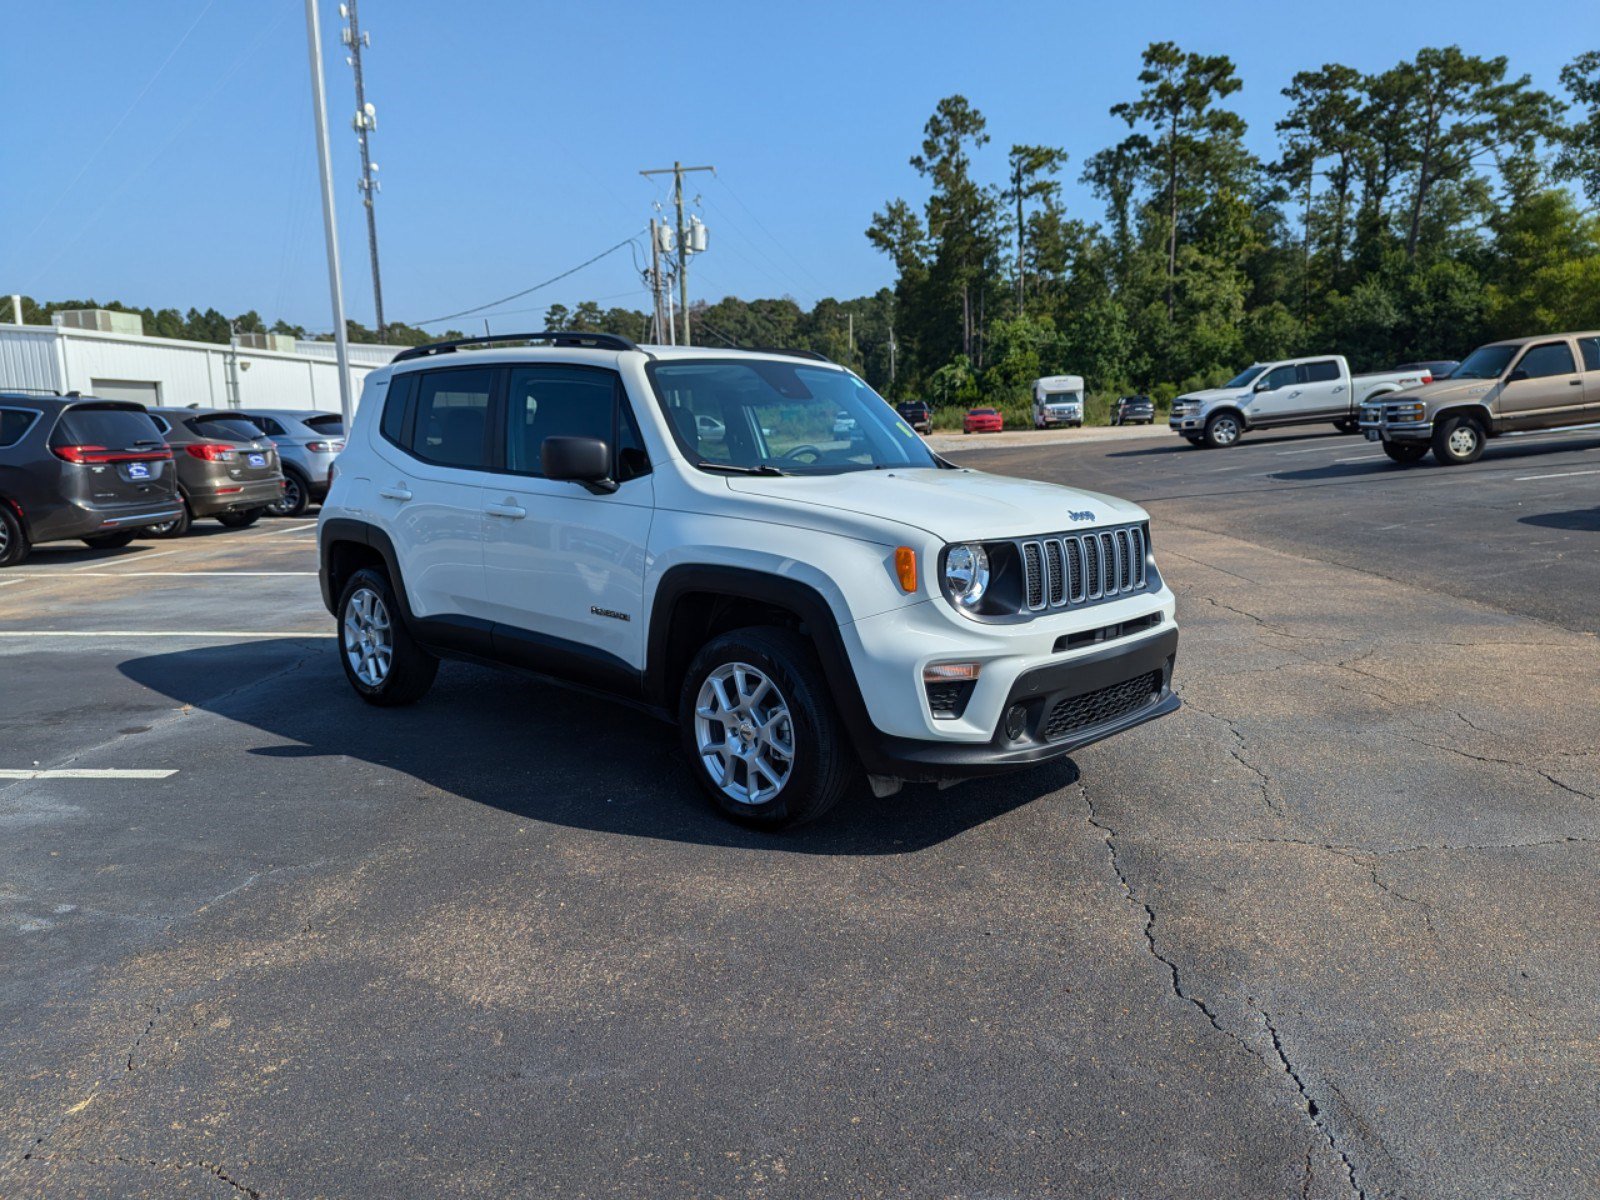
(1294, 391)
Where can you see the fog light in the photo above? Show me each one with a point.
(1016, 722)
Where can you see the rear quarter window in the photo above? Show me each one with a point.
(14, 423)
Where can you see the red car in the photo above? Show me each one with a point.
(982, 420)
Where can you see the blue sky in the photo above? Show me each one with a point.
(161, 153)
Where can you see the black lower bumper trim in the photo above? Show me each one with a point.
(1039, 692)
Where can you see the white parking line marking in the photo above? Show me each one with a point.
(164, 574)
(128, 562)
(1311, 450)
(88, 773)
(158, 633)
(1361, 458)
(1555, 475)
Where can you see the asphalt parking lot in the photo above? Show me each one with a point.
(1326, 932)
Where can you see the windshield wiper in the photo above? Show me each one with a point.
(736, 469)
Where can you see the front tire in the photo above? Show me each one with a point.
(175, 528)
(381, 659)
(1405, 453)
(1458, 441)
(110, 541)
(14, 544)
(760, 730)
(1223, 430)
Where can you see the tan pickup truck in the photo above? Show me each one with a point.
(1522, 383)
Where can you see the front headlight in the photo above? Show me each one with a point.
(966, 575)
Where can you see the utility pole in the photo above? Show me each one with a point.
(677, 170)
(656, 333)
(319, 112)
(366, 119)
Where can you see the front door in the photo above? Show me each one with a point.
(1279, 397)
(564, 566)
(1543, 388)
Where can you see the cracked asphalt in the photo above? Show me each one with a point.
(1326, 932)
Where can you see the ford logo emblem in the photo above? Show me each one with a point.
(1081, 516)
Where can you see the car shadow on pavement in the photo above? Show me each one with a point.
(1584, 520)
(538, 751)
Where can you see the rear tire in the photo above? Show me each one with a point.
(14, 544)
(1457, 441)
(240, 520)
(1405, 453)
(175, 528)
(296, 496)
(110, 541)
(381, 659)
(785, 704)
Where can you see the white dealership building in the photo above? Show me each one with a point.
(106, 354)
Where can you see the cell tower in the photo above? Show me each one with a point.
(364, 122)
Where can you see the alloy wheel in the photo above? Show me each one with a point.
(744, 733)
(1225, 431)
(291, 496)
(368, 637)
(1463, 440)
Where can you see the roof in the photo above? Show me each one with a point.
(471, 356)
(1543, 337)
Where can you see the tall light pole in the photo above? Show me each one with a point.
(677, 170)
(366, 120)
(319, 113)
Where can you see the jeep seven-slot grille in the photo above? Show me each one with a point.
(1096, 708)
(1068, 569)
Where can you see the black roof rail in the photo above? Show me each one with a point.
(816, 354)
(559, 337)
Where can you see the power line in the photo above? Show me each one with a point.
(760, 225)
(467, 312)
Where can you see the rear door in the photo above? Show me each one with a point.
(1544, 388)
(115, 456)
(1589, 356)
(434, 447)
(565, 567)
(1324, 390)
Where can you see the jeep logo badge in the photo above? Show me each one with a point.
(1081, 516)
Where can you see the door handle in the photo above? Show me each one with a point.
(1574, 383)
(1338, 389)
(398, 491)
(511, 512)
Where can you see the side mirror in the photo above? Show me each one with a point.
(1519, 373)
(1264, 385)
(584, 460)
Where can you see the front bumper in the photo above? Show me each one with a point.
(1115, 689)
(1388, 426)
(1186, 421)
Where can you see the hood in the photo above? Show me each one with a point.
(957, 506)
(1447, 390)
(1211, 395)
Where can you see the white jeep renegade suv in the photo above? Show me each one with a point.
(689, 529)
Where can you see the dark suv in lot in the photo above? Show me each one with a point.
(227, 468)
(1133, 410)
(917, 415)
(75, 468)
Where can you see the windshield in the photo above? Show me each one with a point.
(1061, 397)
(781, 418)
(1486, 362)
(1245, 377)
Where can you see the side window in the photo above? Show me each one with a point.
(393, 424)
(162, 424)
(1546, 359)
(569, 401)
(453, 417)
(1590, 348)
(268, 426)
(1320, 372)
(14, 422)
(1281, 377)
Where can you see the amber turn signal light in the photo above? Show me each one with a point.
(905, 566)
